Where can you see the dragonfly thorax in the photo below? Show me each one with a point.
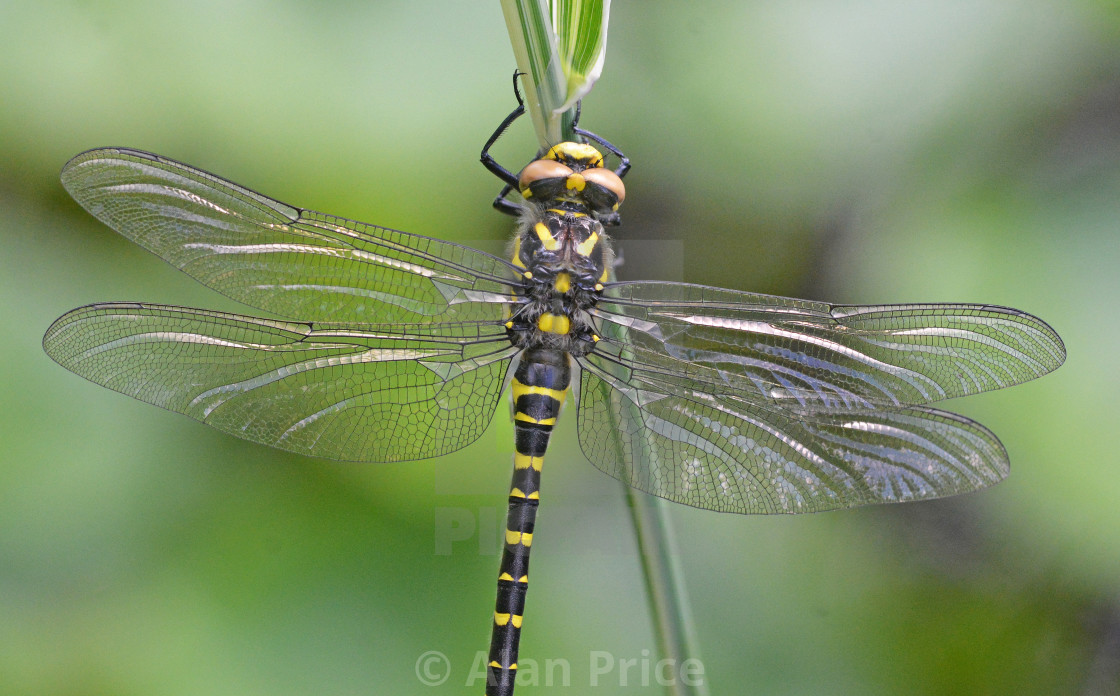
(572, 174)
(566, 257)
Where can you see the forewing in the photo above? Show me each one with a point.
(295, 263)
(370, 394)
(802, 356)
(721, 452)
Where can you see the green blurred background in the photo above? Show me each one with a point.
(862, 151)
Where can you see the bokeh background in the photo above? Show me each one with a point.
(865, 151)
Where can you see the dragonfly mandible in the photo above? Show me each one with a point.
(394, 346)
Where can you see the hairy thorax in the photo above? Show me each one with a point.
(566, 257)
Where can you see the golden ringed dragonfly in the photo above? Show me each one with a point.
(394, 346)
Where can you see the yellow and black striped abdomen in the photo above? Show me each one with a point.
(540, 384)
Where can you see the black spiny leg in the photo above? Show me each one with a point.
(624, 161)
(510, 179)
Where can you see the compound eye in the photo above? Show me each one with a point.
(542, 169)
(607, 179)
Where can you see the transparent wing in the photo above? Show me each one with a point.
(749, 403)
(726, 453)
(295, 263)
(805, 356)
(369, 393)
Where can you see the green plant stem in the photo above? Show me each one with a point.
(670, 611)
(668, 598)
(534, 47)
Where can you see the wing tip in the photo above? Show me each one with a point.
(1050, 342)
(1059, 347)
(53, 338)
(110, 152)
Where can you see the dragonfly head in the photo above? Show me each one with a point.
(574, 172)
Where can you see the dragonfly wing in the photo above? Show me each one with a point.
(295, 263)
(804, 356)
(369, 393)
(721, 452)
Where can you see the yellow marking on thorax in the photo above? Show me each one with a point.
(563, 283)
(529, 419)
(524, 461)
(517, 252)
(606, 275)
(545, 235)
(573, 213)
(587, 246)
(524, 538)
(554, 323)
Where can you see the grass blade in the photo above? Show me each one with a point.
(560, 46)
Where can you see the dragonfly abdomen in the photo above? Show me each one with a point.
(540, 385)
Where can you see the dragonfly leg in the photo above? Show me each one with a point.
(504, 205)
(624, 161)
(488, 160)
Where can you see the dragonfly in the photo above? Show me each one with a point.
(391, 346)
